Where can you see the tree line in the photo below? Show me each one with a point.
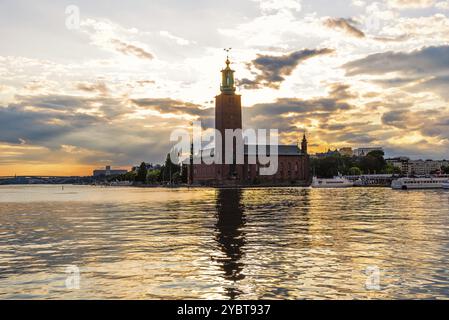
(168, 173)
(373, 163)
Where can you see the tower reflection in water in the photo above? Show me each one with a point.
(230, 237)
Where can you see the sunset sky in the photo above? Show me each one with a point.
(110, 90)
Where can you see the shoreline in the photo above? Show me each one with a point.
(304, 186)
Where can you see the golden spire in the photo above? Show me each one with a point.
(227, 82)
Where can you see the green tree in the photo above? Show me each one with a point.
(330, 166)
(142, 173)
(169, 169)
(445, 170)
(327, 167)
(176, 178)
(391, 169)
(154, 176)
(129, 176)
(374, 162)
(377, 154)
(355, 171)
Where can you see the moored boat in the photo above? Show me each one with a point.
(418, 183)
(336, 182)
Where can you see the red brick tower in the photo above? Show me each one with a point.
(228, 115)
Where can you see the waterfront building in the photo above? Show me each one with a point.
(426, 167)
(363, 152)
(293, 160)
(107, 171)
(329, 153)
(400, 163)
(418, 167)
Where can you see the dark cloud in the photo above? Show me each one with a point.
(272, 70)
(396, 82)
(439, 84)
(294, 105)
(425, 61)
(346, 25)
(167, 105)
(41, 127)
(53, 102)
(339, 92)
(98, 87)
(396, 118)
(426, 69)
(104, 106)
(430, 122)
(248, 84)
(355, 137)
(131, 50)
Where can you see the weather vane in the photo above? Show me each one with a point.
(227, 52)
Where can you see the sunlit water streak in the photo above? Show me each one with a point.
(279, 243)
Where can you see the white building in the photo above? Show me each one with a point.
(425, 167)
(418, 167)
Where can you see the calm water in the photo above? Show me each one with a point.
(231, 244)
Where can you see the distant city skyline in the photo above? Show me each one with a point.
(109, 90)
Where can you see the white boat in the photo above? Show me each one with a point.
(446, 185)
(336, 182)
(418, 183)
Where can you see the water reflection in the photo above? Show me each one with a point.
(230, 237)
(277, 243)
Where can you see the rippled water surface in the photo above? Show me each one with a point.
(233, 244)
